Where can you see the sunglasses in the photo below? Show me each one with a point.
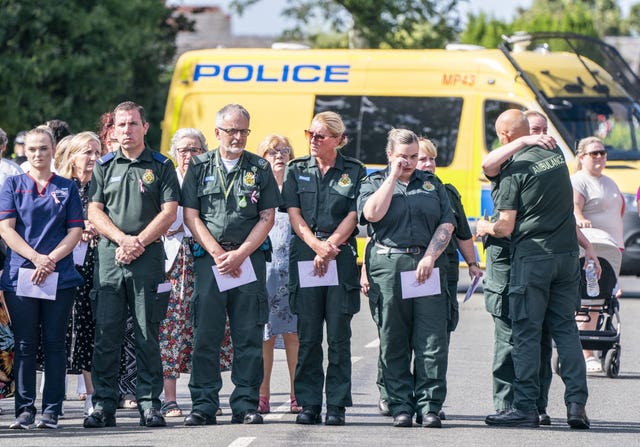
(595, 154)
(316, 136)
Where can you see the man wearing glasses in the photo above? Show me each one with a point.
(229, 200)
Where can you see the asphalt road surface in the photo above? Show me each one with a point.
(614, 404)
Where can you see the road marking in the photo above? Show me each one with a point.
(355, 358)
(373, 344)
(278, 413)
(242, 442)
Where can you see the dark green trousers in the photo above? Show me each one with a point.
(544, 288)
(496, 286)
(315, 307)
(409, 327)
(134, 285)
(248, 312)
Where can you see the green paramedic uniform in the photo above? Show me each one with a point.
(408, 326)
(544, 274)
(132, 192)
(324, 202)
(229, 204)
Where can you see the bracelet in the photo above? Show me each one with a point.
(471, 264)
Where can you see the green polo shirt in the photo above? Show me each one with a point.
(132, 191)
(323, 200)
(536, 184)
(229, 202)
(416, 209)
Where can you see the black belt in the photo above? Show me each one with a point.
(322, 234)
(227, 246)
(383, 249)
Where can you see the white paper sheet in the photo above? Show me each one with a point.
(45, 291)
(80, 253)
(164, 287)
(227, 282)
(472, 287)
(308, 277)
(411, 288)
(171, 248)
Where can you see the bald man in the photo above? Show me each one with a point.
(535, 208)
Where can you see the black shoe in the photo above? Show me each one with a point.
(514, 418)
(335, 415)
(248, 417)
(152, 417)
(98, 419)
(431, 420)
(543, 417)
(402, 420)
(442, 416)
(309, 415)
(383, 407)
(197, 418)
(577, 416)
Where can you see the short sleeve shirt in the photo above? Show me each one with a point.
(536, 184)
(416, 210)
(229, 202)
(132, 191)
(324, 201)
(602, 203)
(43, 218)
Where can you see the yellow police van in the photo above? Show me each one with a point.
(451, 96)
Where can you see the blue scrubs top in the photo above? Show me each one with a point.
(42, 220)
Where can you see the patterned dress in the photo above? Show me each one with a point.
(81, 329)
(281, 320)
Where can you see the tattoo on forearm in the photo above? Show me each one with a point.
(440, 239)
(265, 215)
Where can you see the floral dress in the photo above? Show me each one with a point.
(281, 320)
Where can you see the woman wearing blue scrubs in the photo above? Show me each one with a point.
(41, 222)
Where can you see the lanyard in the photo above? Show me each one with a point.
(223, 177)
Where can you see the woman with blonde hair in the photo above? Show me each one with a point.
(277, 150)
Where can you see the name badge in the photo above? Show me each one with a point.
(115, 179)
(209, 178)
(306, 179)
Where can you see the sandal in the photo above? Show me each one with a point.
(593, 365)
(128, 402)
(171, 409)
(263, 405)
(294, 405)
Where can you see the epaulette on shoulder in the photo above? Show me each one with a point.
(453, 189)
(258, 161)
(201, 158)
(160, 158)
(354, 161)
(106, 158)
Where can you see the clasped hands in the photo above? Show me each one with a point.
(129, 249)
(44, 266)
(326, 251)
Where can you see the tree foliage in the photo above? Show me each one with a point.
(372, 23)
(74, 60)
(597, 18)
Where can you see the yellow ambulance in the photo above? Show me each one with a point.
(451, 96)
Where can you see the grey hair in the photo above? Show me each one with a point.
(3, 138)
(187, 132)
(230, 109)
(400, 136)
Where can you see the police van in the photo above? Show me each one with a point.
(452, 96)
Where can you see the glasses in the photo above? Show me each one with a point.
(316, 136)
(189, 150)
(279, 150)
(243, 132)
(595, 154)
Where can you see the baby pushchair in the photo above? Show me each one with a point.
(604, 307)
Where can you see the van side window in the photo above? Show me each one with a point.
(493, 109)
(369, 118)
